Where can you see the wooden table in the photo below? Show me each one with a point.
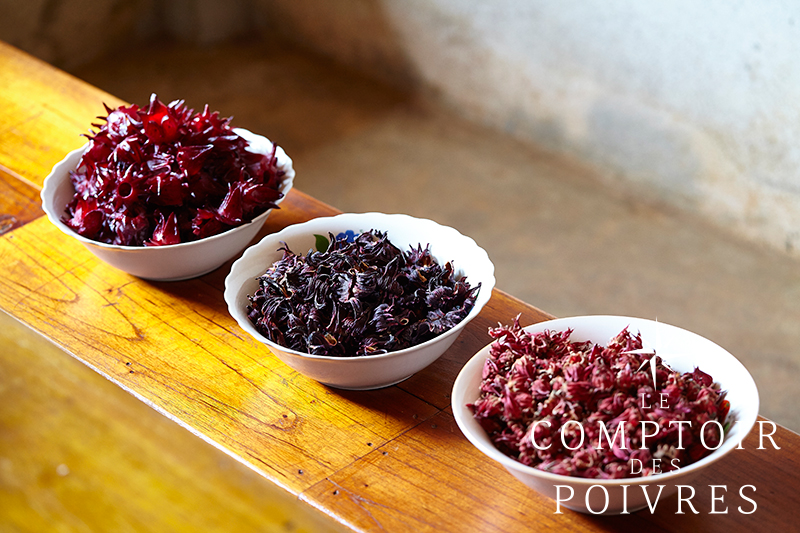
(389, 459)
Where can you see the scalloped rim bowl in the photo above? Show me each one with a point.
(681, 350)
(162, 263)
(374, 371)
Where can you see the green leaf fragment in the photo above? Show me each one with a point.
(322, 243)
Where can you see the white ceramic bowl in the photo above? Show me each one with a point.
(681, 350)
(374, 371)
(163, 263)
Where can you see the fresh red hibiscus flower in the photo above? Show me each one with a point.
(163, 174)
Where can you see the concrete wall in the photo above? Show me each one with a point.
(695, 104)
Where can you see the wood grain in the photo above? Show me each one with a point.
(176, 347)
(45, 111)
(19, 202)
(77, 453)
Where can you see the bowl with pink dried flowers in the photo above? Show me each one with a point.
(164, 193)
(604, 414)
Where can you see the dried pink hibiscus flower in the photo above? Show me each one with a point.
(584, 410)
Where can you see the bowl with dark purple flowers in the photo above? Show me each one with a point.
(604, 414)
(360, 300)
(164, 193)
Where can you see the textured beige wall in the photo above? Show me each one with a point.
(692, 104)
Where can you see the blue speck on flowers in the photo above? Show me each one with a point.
(348, 235)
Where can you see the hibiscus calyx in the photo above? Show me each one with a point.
(163, 174)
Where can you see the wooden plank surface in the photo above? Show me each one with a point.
(19, 202)
(388, 459)
(45, 111)
(77, 453)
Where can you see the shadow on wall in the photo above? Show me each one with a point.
(71, 33)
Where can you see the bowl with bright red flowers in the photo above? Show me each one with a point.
(606, 414)
(164, 193)
(360, 300)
